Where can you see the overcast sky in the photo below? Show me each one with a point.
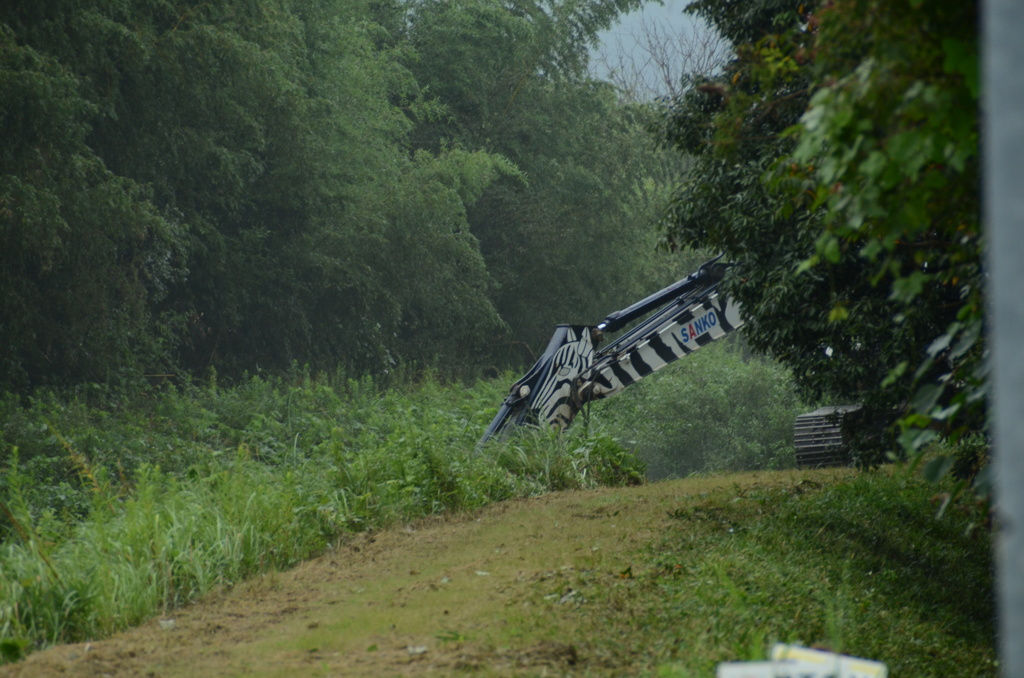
(670, 13)
(627, 45)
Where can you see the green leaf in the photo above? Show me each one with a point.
(968, 339)
(938, 467)
(874, 165)
(962, 58)
(829, 247)
(807, 264)
(946, 413)
(941, 343)
(894, 374)
(909, 150)
(909, 287)
(916, 439)
(838, 313)
(926, 397)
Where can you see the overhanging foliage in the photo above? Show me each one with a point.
(837, 164)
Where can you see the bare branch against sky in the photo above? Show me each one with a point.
(649, 51)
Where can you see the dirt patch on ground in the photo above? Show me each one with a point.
(471, 594)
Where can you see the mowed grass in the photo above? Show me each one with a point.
(860, 566)
(665, 579)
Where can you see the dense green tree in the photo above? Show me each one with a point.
(567, 239)
(285, 135)
(228, 182)
(85, 252)
(816, 174)
(888, 151)
(246, 183)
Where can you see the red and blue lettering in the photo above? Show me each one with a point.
(699, 326)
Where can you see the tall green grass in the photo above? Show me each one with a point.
(110, 516)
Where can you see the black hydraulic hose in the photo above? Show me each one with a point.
(709, 274)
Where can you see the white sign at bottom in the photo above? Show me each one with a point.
(791, 661)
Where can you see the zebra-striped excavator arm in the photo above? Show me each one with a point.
(573, 372)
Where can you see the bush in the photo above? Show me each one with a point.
(715, 410)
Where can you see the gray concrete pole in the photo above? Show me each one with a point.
(1003, 151)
